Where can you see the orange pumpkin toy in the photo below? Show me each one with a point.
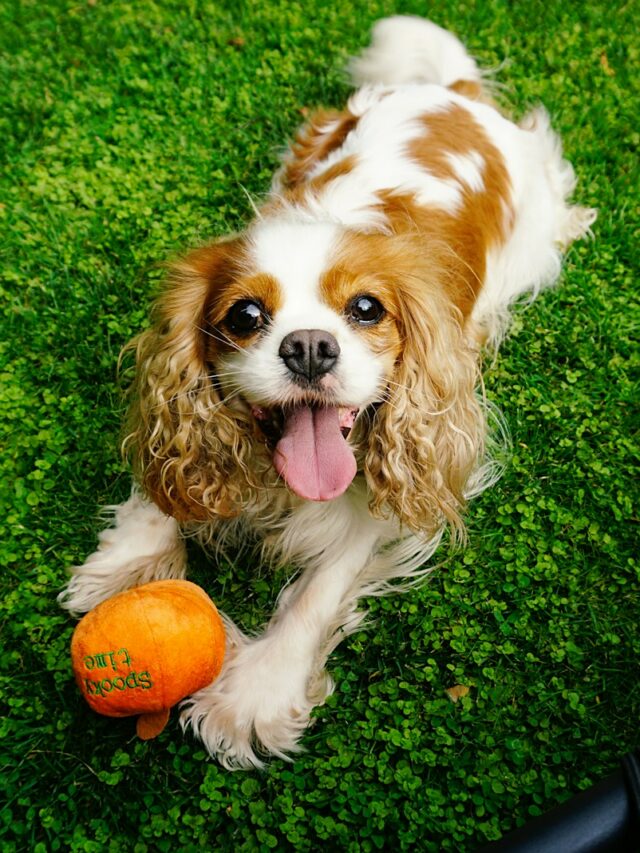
(145, 649)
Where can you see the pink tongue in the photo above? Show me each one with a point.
(312, 456)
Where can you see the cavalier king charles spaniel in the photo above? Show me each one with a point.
(314, 380)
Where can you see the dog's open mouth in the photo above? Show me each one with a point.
(310, 450)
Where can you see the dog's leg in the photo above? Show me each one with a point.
(142, 545)
(269, 685)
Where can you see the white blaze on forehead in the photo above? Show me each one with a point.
(296, 255)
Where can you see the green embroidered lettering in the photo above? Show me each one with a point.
(145, 680)
(132, 680)
(102, 659)
(94, 688)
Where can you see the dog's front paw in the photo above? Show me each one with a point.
(259, 705)
(104, 575)
(84, 592)
(142, 545)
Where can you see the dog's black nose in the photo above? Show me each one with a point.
(309, 352)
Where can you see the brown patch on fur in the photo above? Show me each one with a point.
(306, 189)
(468, 88)
(193, 283)
(193, 465)
(261, 288)
(484, 217)
(325, 132)
(428, 436)
(337, 170)
(474, 91)
(454, 241)
(218, 274)
(340, 285)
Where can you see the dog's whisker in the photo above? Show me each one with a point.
(194, 392)
(209, 410)
(221, 338)
(397, 384)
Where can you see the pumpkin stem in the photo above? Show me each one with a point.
(150, 725)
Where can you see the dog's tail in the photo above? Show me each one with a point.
(407, 49)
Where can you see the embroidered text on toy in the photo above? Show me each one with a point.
(114, 659)
(99, 660)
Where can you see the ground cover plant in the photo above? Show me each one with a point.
(131, 130)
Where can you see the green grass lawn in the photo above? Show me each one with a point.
(129, 130)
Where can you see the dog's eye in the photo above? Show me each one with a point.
(365, 310)
(245, 317)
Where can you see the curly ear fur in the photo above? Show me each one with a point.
(189, 450)
(428, 437)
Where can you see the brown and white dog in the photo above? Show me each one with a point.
(314, 380)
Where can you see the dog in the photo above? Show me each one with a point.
(315, 381)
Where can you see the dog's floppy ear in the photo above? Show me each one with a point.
(428, 436)
(187, 446)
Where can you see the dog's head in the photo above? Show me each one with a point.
(302, 352)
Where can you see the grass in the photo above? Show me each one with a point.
(130, 130)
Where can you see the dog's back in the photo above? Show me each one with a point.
(424, 125)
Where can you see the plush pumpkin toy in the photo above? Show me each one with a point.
(145, 649)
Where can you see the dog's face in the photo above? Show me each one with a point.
(298, 354)
(306, 343)
(307, 328)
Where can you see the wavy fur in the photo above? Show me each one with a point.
(190, 450)
(428, 437)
